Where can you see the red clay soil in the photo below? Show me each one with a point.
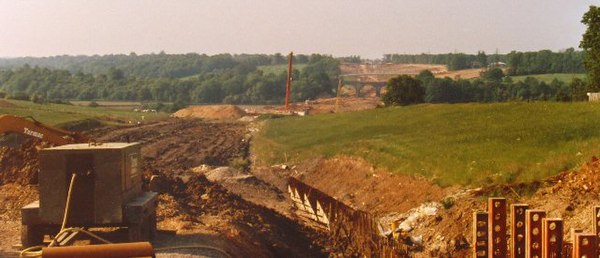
(198, 209)
(211, 112)
(20, 165)
(322, 105)
(362, 186)
(18, 170)
(192, 206)
(171, 148)
(569, 195)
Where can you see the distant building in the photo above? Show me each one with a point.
(497, 65)
(593, 96)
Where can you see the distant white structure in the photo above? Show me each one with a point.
(593, 96)
(497, 65)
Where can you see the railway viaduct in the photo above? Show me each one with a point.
(376, 80)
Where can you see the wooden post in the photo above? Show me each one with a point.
(533, 233)
(584, 245)
(517, 230)
(552, 237)
(567, 250)
(596, 220)
(497, 227)
(480, 234)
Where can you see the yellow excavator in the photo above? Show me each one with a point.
(30, 127)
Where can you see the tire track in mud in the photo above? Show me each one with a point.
(171, 148)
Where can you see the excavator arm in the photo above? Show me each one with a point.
(33, 128)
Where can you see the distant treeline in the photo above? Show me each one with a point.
(153, 65)
(494, 86)
(221, 79)
(517, 63)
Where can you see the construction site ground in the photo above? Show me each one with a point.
(193, 210)
(439, 71)
(214, 196)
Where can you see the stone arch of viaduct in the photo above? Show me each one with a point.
(376, 80)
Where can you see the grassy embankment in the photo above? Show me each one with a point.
(59, 114)
(453, 144)
(547, 78)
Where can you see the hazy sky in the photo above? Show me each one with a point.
(338, 27)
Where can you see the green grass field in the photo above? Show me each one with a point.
(277, 69)
(57, 114)
(565, 77)
(468, 144)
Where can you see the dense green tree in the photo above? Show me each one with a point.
(442, 91)
(278, 59)
(518, 63)
(579, 90)
(425, 76)
(591, 44)
(494, 75)
(481, 59)
(115, 74)
(403, 90)
(458, 62)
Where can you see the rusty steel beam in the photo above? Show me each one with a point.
(497, 227)
(517, 230)
(596, 220)
(480, 234)
(585, 245)
(288, 82)
(567, 250)
(533, 233)
(357, 227)
(573, 232)
(552, 236)
(140, 249)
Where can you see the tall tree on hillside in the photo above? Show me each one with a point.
(494, 75)
(404, 90)
(591, 44)
(458, 62)
(481, 59)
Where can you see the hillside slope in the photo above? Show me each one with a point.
(461, 143)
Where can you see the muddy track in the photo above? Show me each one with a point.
(171, 148)
(199, 211)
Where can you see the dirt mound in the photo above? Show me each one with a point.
(6, 104)
(221, 174)
(216, 112)
(180, 144)
(461, 74)
(324, 105)
(271, 234)
(20, 164)
(357, 183)
(13, 197)
(440, 71)
(174, 149)
(391, 68)
(569, 195)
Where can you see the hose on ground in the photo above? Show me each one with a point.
(36, 251)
